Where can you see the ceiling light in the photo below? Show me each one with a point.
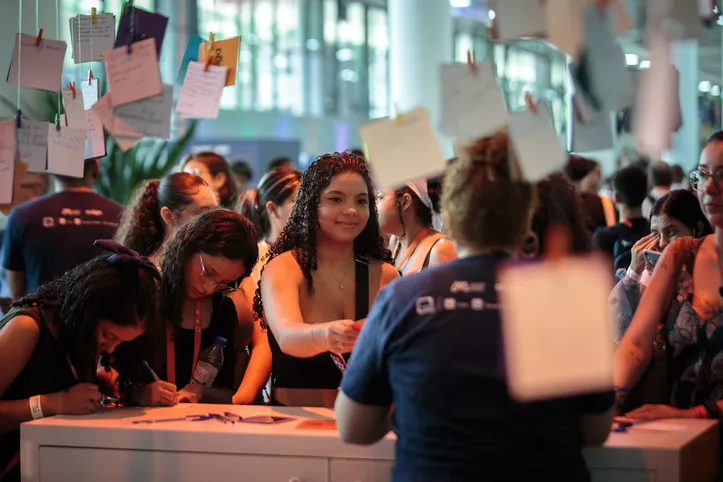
(491, 14)
(632, 59)
(460, 3)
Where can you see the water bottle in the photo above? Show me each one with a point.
(209, 363)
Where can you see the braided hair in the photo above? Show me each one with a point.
(300, 233)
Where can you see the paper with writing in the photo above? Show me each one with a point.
(33, 144)
(542, 298)
(133, 77)
(472, 104)
(89, 40)
(66, 151)
(119, 129)
(190, 54)
(564, 25)
(42, 66)
(402, 149)
(8, 148)
(152, 116)
(200, 94)
(74, 109)
(146, 24)
(95, 136)
(91, 92)
(536, 144)
(225, 54)
(519, 18)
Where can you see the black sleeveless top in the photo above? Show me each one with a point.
(47, 371)
(224, 322)
(318, 372)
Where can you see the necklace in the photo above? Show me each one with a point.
(340, 283)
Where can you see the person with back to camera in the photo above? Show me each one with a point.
(428, 361)
(214, 169)
(322, 275)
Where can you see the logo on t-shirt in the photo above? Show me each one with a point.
(425, 305)
(467, 287)
(48, 222)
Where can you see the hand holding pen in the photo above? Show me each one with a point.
(158, 393)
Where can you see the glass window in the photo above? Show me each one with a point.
(379, 102)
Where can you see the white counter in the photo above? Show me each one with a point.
(108, 447)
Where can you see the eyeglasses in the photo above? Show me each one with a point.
(210, 282)
(699, 178)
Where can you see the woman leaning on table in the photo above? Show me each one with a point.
(51, 343)
(323, 274)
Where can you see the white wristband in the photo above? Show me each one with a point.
(635, 277)
(35, 409)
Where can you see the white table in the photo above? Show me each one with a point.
(109, 447)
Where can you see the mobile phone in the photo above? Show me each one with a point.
(651, 257)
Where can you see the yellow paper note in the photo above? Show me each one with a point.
(225, 54)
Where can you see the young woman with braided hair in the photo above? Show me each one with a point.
(323, 274)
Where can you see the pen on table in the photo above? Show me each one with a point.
(150, 370)
(188, 418)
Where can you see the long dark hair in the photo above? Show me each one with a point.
(218, 233)
(684, 206)
(96, 290)
(423, 213)
(141, 228)
(276, 186)
(217, 164)
(300, 233)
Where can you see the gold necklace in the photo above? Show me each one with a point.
(340, 283)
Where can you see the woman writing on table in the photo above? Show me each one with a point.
(52, 340)
(202, 265)
(323, 273)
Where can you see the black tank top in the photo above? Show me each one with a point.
(47, 371)
(318, 372)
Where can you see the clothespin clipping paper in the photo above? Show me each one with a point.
(209, 48)
(18, 117)
(471, 62)
(39, 38)
(90, 76)
(94, 15)
(71, 86)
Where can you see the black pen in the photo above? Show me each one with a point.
(150, 370)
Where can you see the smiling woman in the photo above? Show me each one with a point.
(332, 242)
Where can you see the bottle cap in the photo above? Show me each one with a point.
(220, 341)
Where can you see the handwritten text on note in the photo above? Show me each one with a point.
(133, 77)
(89, 40)
(66, 151)
(42, 67)
(33, 144)
(200, 94)
(152, 116)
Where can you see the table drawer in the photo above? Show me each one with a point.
(61, 464)
(342, 470)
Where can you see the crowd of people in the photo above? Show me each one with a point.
(328, 292)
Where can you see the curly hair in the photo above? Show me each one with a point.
(299, 235)
(141, 228)
(93, 291)
(217, 164)
(218, 233)
(486, 200)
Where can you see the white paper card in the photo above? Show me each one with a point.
(89, 40)
(152, 116)
(136, 76)
(472, 104)
(548, 297)
(519, 18)
(537, 145)
(74, 109)
(42, 67)
(402, 149)
(66, 151)
(200, 94)
(33, 144)
(8, 148)
(91, 92)
(123, 133)
(95, 137)
(595, 135)
(564, 25)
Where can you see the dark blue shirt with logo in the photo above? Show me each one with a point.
(432, 347)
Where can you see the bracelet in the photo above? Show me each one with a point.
(35, 409)
(634, 277)
(313, 340)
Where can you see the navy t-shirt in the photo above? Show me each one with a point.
(432, 347)
(52, 234)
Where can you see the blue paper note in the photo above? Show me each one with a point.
(191, 54)
(145, 25)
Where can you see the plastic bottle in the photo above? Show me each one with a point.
(209, 363)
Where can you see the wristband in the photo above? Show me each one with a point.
(35, 409)
(633, 276)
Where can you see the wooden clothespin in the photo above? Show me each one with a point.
(93, 15)
(90, 77)
(398, 116)
(209, 51)
(471, 63)
(531, 105)
(18, 117)
(57, 122)
(39, 38)
(71, 86)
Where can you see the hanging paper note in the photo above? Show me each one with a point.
(542, 298)
(536, 144)
(95, 137)
(42, 67)
(472, 104)
(74, 108)
(225, 54)
(595, 135)
(145, 24)
(91, 92)
(565, 25)
(8, 148)
(152, 116)
(200, 94)
(519, 18)
(190, 54)
(124, 135)
(90, 40)
(33, 144)
(133, 77)
(402, 149)
(66, 151)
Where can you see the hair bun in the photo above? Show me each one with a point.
(127, 257)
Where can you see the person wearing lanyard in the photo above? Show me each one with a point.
(410, 215)
(51, 342)
(322, 275)
(202, 264)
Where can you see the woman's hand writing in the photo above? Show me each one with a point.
(81, 399)
(158, 394)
